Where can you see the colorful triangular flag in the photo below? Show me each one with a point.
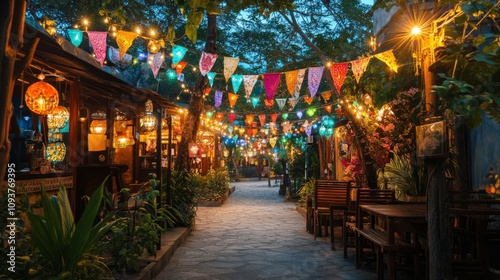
(230, 64)
(249, 81)
(124, 39)
(389, 59)
(271, 82)
(358, 67)
(207, 61)
(338, 72)
(314, 78)
(98, 41)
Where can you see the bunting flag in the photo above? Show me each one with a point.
(292, 101)
(281, 102)
(255, 101)
(291, 80)
(271, 82)
(328, 108)
(236, 81)
(231, 117)
(155, 61)
(179, 67)
(232, 98)
(230, 64)
(211, 77)
(154, 46)
(269, 103)
(114, 57)
(358, 67)
(272, 126)
(326, 95)
(338, 72)
(274, 117)
(298, 85)
(287, 126)
(218, 98)
(178, 53)
(262, 119)
(230, 128)
(285, 116)
(389, 59)
(314, 79)
(124, 39)
(249, 81)
(207, 90)
(249, 119)
(219, 116)
(207, 61)
(75, 36)
(98, 41)
(272, 142)
(308, 100)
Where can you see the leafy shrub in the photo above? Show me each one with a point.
(184, 196)
(306, 189)
(212, 186)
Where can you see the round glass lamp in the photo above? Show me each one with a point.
(41, 98)
(58, 117)
(98, 127)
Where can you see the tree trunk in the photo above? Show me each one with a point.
(192, 120)
(11, 41)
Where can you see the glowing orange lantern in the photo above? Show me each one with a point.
(41, 97)
(98, 126)
(58, 117)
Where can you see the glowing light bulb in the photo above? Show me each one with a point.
(416, 30)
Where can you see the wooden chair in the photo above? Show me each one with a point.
(363, 196)
(330, 198)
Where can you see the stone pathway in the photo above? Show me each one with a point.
(256, 235)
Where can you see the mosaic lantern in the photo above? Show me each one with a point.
(55, 152)
(99, 123)
(58, 117)
(148, 121)
(41, 98)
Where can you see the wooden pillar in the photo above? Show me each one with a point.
(75, 138)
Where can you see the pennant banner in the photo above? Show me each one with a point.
(328, 108)
(308, 100)
(291, 80)
(154, 46)
(155, 61)
(219, 116)
(211, 76)
(274, 117)
(389, 59)
(114, 57)
(178, 53)
(281, 102)
(124, 39)
(298, 85)
(231, 117)
(358, 67)
(98, 41)
(249, 119)
(314, 78)
(218, 98)
(269, 103)
(232, 98)
(207, 61)
(292, 101)
(272, 142)
(180, 67)
(236, 81)
(271, 82)
(262, 119)
(76, 36)
(250, 81)
(326, 95)
(255, 101)
(230, 64)
(338, 72)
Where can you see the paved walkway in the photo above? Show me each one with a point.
(256, 235)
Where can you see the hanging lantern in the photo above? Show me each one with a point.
(154, 46)
(58, 117)
(83, 114)
(41, 97)
(210, 114)
(98, 127)
(299, 114)
(492, 182)
(329, 132)
(310, 112)
(55, 152)
(284, 116)
(148, 122)
(322, 130)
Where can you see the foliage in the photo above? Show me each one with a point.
(401, 175)
(184, 196)
(212, 186)
(63, 243)
(306, 189)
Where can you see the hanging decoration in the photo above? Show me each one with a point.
(284, 116)
(218, 98)
(219, 116)
(178, 53)
(271, 82)
(155, 61)
(180, 67)
(231, 117)
(75, 36)
(308, 130)
(98, 41)
(310, 112)
(269, 103)
(299, 114)
(114, 57)
(249, 81)
(308, 100)
(232, 98)
(41, 98)
(314, 75)
(358, 67)
(262, 119)
(255, 101)
(230, 64)
(154, 46)
(207, 61)
(58, 117)
(292, 101)
(291, 80)
(236, 81)
(328, 108)
(207, 90)
(55, 152)
(389, 59)
(210, 114)
(274, 117)
(125, 39)
(148, 122)
(281, 102)
(298, 84)
(211, 77)
(272, 142)
(326, 95)
(249, 119)
(338, 72)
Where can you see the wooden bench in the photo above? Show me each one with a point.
(381, 243)
(330, 197)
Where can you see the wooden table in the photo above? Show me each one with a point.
(414, 215)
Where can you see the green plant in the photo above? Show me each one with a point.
(62, 242)
(214, 185)
(401, 175)
(184, 196)
(306, 189)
